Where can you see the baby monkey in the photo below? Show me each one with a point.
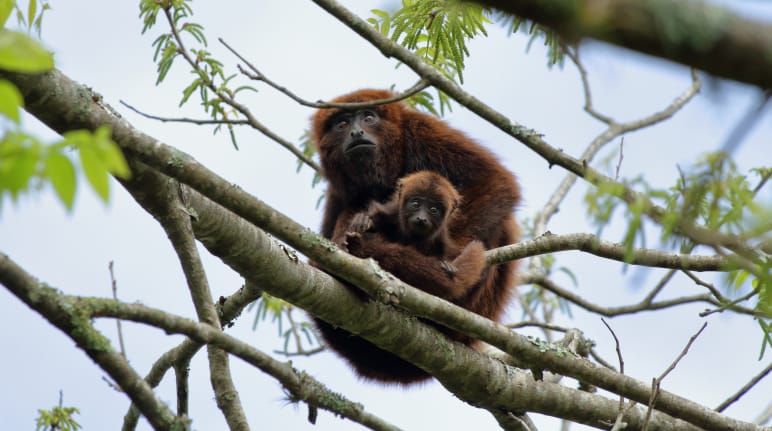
(423, 213)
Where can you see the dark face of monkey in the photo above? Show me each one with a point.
(422, 217)
(357, 132)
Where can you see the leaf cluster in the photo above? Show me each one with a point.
(713, 194)
(58, 418)
(209, 78)
(535, 31)
(26, 163)
(278, 309)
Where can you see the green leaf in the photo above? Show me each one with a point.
(31, 11)
(110, 153)
(18, 164)
(10, 100)
(61, 173)
(95, 171)
(6, 7)
(21, 53)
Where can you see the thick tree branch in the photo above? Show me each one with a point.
(77, 325)
(694, 33)
(167, 207)
(70, 106)
(40, 297)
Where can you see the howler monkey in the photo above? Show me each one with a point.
(419, 215)
(363, 152)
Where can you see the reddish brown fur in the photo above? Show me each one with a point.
(389, 233)
(410, 141)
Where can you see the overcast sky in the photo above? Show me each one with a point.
(301, 47)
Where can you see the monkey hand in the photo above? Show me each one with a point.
(361, 222)
(449, 268)
(352, 242)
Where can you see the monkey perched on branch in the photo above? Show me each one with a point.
(363, 154)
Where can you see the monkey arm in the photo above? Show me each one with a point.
(469, 264)
(419, 270)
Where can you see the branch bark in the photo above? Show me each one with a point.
(693, 33)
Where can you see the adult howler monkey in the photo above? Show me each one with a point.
(363, 153)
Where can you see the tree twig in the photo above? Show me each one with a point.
(656, 383)
(747, 387)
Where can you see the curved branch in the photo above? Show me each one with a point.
(257, 75)
(549, 243)
(646, 304)
(70, 320)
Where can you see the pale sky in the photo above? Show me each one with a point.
(301, 47)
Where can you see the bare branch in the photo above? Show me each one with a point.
(614, 130)
(69, 319)
(746, 123)
(657, 382)
(549, 242)
(168, 207)
(260, 76)
(114, 286)
(200, 122)
(537, 277)
(618, 424)
(747, 387)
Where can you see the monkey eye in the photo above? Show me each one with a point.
(340, 125)
(369, 117)
(413, 204)
(434, 210)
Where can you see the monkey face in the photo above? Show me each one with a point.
(422, 217)
(357, 133)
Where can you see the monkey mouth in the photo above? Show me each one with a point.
(359, 145)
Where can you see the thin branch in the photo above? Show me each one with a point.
(542, 280)
(657, 382)
(227, 98)
(70, 320)
(764, 416)
(746, 123)
(183, 119)
(549, 243)
(573, 54)
(538, 324)
(167, 206)
(257, 75)
(733, 304)
(747, 387)
(618, 349)
(618, 424)
(614, 130)
(114, 286)
(659, 287)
